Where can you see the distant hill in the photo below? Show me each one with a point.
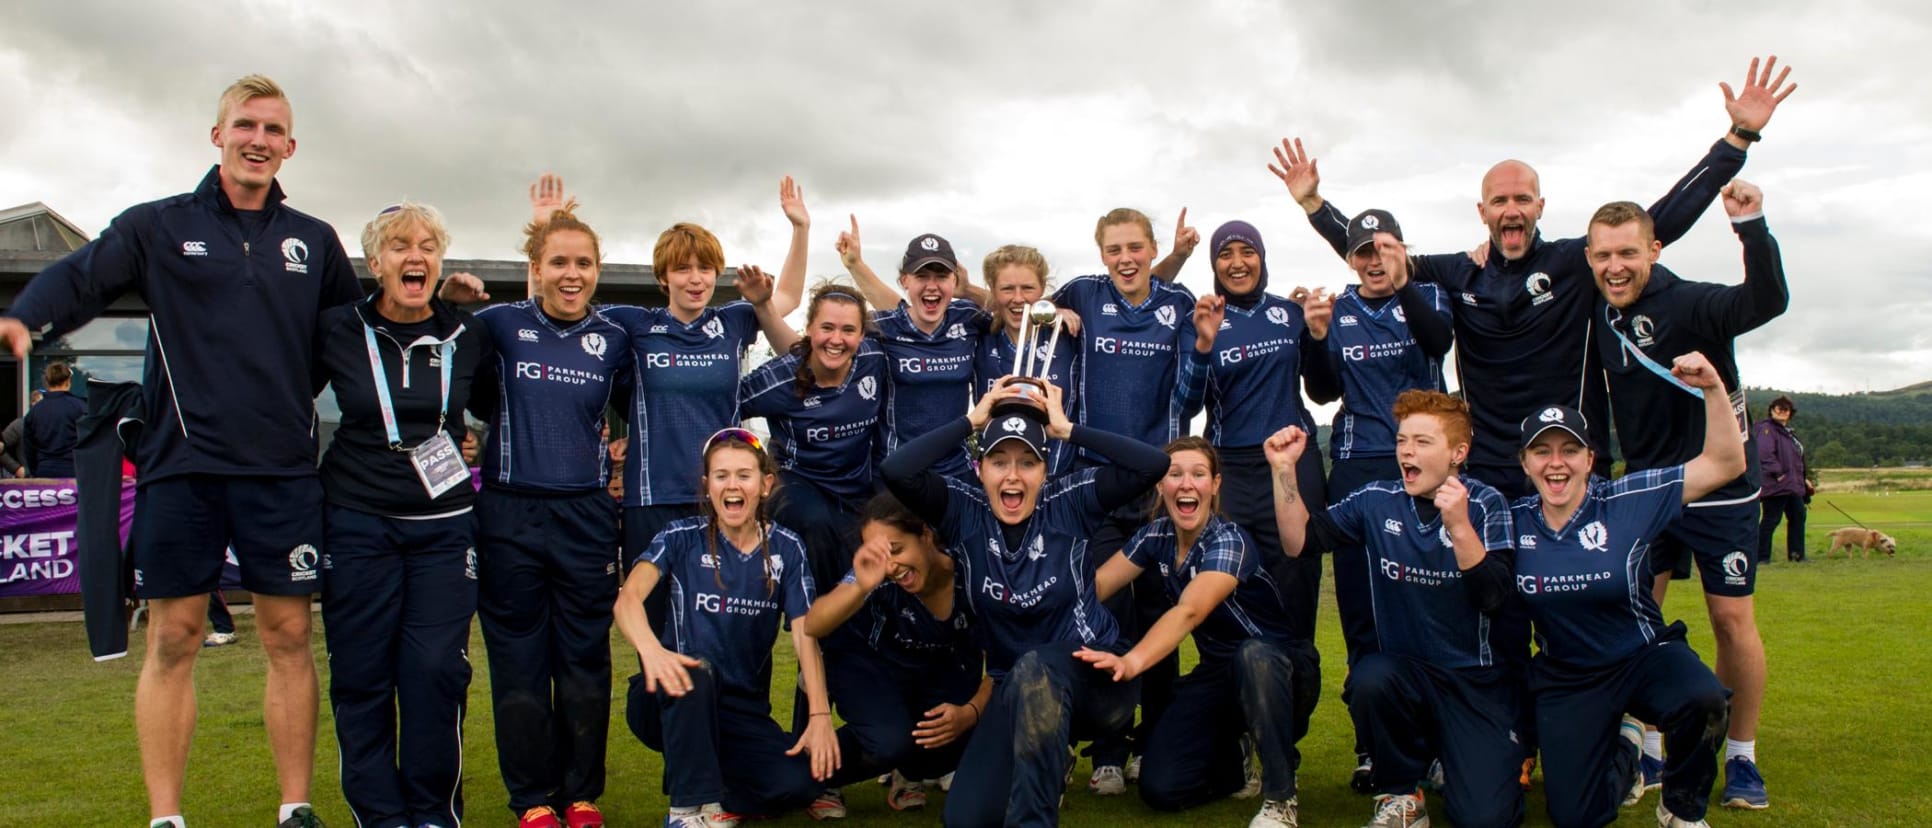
(1886, 428)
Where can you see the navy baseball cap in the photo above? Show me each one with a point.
(1556, 416)
(1362, 228)
(1015, 426)
(928, 249)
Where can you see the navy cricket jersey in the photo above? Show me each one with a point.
(553, 381)
(1426, 607)
(726, 603)
(687, 389)
(899, 627)
(1523, 327)
(831, 436)
(932, 374)
(1129, 357)
(1658, 422)
(1253, 610)
(1251, 381)
(233, 298)
(997, 352)
(1039, 590)
(1588, 585)
(1376, 356)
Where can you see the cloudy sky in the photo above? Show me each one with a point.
(999, 122)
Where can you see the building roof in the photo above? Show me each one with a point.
(35, 226)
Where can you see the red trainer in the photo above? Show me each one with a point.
(542, 816)
(583, 814)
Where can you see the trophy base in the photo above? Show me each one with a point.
(1032, 406)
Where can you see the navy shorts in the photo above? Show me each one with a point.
(1722, 539)
(183, 527)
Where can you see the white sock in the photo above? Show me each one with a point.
(1654, 744)
(1747, 749)
(175, 821)
(288, 810)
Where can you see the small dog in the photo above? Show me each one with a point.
(1854, 537)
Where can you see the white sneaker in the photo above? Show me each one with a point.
(1277, 813)
(946, 782)
(1400, 811)
(1666, 819)
(712, 815)
(218, 639)
(830, 804)
(1133, 769)
(1108, 780)
(1632, 732)
(1250, 771)
(905, 794)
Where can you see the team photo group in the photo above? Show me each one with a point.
(975, 504)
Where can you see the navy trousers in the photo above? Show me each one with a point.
(397, 597)
(1135, 608)
(1587, 773)
(548, 577)
(1266, 690)
(828, 524)
(880, 705)
(721, 746)
(1412, 712)
(1015, 767)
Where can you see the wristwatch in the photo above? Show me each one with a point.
(1749, 135)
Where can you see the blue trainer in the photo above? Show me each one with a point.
(1653, 769)
(1743, 785)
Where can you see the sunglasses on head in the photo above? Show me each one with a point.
(734, 434)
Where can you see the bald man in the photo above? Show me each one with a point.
(1522, 314)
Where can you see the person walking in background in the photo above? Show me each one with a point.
(47, 439)
(1786, 491)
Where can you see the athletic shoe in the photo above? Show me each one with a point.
(1632, 732)
(1433, 780)
(1250, 770)
(542, 816)
(1108, 780)
(885, 779)
(830, 804)
(946, 782)
(304, 817)
(1529, 767)
(1277, 813)
(1653, 769)
(905, 794)
(712, 815)
(1743, 785)
(1361, 782)
(1133, 769)
(218, 639)
(1399, 811)
(1666, 819)
(583, 814)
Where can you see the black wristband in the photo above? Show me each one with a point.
(1749, 135)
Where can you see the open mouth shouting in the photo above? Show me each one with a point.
(1513, 234)
(1411, 473)
(1557, 484)
(931, 303)
(906, 577)
(1011, 497)
(732, 509)
(1187, 506)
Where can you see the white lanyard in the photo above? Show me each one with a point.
(448, 349)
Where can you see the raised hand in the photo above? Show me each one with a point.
(546, 197)
(1317, 310)
(1209, 310)
(1058, 426)
(1742, 198)
(848, 245)
(1752, 107)
(753, 284)
(1395, 258)
(869, 563)
(1005, 389)
(1452, 500)
(1696, 371)
(1297, 171)
(791, 198)
(15, 338)
(1284, 448)
(1185, 238)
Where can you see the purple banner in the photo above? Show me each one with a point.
(38, 555)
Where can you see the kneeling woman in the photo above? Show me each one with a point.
(704, 697)
(1256, 677)
(401, 588)
(1604, 649)
(900, 658)
(1022, 542)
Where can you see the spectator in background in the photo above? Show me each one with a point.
(1785, 491)
(47, 439)
(12, 436)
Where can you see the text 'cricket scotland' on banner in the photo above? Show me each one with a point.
(38, 553)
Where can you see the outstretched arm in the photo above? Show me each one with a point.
(791, 276)
(1201, 596)
(1764, 295)
(1284, 449)
(877, 293)
(1749, 111)
(1298, 173)
(1185, 239)
(1722, 459)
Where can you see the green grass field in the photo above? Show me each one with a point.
(1840, 741)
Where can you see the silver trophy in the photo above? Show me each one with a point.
(1032, 364)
